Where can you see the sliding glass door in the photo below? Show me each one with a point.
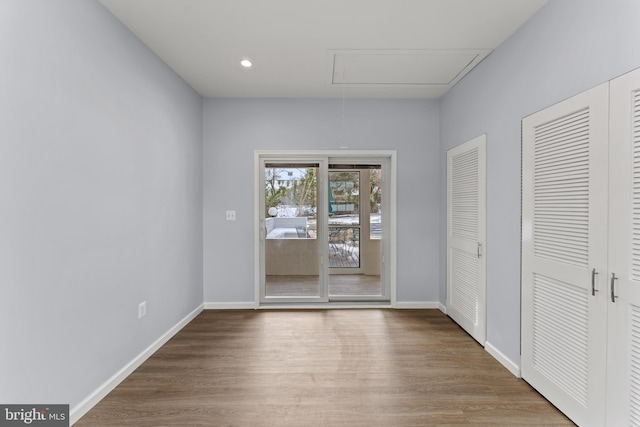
(291, 250)
(355, 231)
(322, 232)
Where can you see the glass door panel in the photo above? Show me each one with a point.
(344, 219)
(292, 253)
(355, 206)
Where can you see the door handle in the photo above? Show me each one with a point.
(613, 281)
(593, 282)
(479, 248)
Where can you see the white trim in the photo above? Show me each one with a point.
(513, 367)
(90, 401)
(393, 227)
(232, 305)
(327, 153)
(401, 305)
(256, 228)
(442, 307)
(322, 306)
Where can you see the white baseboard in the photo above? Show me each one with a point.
(417, 304)
(442, 307)
(237, 305)
(514, 368)
(90, 401)
(323, 306)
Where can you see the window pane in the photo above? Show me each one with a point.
(344, 247)
(344, 198)
(291, 201)
(292, 249)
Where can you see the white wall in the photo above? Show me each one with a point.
(567, 47)
(234, 128)
(100, 199)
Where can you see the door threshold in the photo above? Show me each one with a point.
(324, 305)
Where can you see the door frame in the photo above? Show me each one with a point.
(389, 247)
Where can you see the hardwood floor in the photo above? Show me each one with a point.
(322, 368)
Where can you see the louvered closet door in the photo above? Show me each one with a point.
(564, 246)
(623, 375)
(466, 249)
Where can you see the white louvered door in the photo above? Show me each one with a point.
(466, 231)
(623, 376)
(564, 254)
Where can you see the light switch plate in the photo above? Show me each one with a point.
(142, 309)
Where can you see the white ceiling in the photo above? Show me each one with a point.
(323, 48)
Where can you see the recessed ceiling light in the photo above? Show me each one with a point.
(246, 63)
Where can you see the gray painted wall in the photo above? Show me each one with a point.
(101, 199)
(234, 128)
(102, 186)
(567, 47)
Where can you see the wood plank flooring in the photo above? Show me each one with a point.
(377, 367)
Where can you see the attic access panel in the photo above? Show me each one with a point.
(441, 68)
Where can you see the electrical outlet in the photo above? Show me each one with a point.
(231, 215)
(142, 309)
